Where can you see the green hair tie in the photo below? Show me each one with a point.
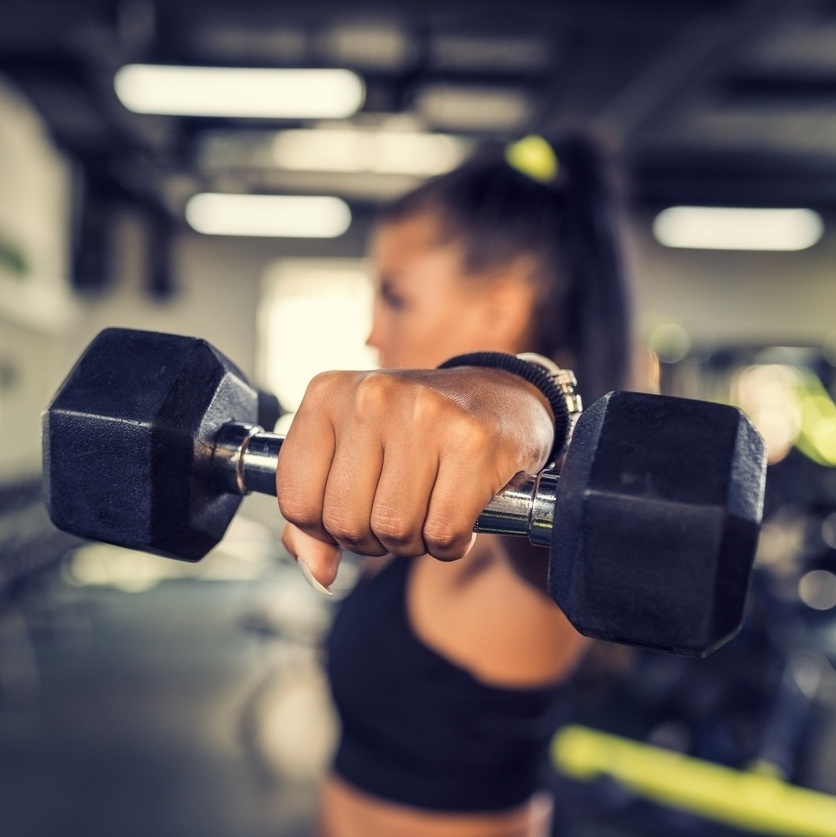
(533, 157)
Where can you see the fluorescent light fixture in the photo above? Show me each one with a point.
(491, 54)
(378, 152)
(272, 216)
(379, 46)
(474, 108)
(239, 91)
(725, 228)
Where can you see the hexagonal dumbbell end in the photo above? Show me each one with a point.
(128, 440)
(656, 522)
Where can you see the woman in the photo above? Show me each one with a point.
(446, 672)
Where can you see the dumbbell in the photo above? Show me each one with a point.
(652, 524)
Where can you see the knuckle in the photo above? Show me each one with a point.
(429, 406)
(397, 535)
(297, 511)
(325, 390)
(322, 382)
(304, 518)
(373, 394)
(444, 540)
(351, 533)
(318, 390)
(343, 527)
(392, 532)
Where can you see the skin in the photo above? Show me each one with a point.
(401, 461)
(427, 309)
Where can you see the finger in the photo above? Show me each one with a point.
(318, 561)
(350, 491)
(448, 529)
(460, 494)
(304, 463)
(402, 497)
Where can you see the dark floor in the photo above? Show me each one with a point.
(129, 722)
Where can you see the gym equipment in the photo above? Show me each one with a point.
(749, 800)
(652, 525)
(270, 409)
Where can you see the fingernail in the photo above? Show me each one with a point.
(472, 541)
(309, 577)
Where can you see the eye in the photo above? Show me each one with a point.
(391, 298)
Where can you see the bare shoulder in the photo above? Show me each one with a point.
(481, 614)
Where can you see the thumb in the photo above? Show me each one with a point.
(317, 559)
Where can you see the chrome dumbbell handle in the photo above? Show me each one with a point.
(246, 457)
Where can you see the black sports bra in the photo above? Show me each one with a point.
(416, 728)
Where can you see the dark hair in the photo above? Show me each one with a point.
(571, 231)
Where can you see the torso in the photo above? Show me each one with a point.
(348, 812)
(478, 613)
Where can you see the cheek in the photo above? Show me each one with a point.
(402, 339)
(391, 337)
(427, 340)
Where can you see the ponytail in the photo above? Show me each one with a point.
(593, 301)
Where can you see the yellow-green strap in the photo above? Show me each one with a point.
(749, 800)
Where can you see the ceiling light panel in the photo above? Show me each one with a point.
(373, 46)
(231, 41)
(272, 216)
(474, 108)
(727, 228)
(490, 54)
(239, 91)
(795, 46)
(351, 186)
(347, 149)
(380, 152)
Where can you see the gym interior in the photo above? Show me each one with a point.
(141, 695)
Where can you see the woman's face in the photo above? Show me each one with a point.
(426, 309)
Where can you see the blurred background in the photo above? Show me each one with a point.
(142, 696)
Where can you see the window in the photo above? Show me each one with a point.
(315, 315)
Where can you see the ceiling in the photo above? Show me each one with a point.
(720, 101)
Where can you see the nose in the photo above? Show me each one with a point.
(375, 338)
(378, 340)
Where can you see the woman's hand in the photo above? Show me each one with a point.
(403, 462)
